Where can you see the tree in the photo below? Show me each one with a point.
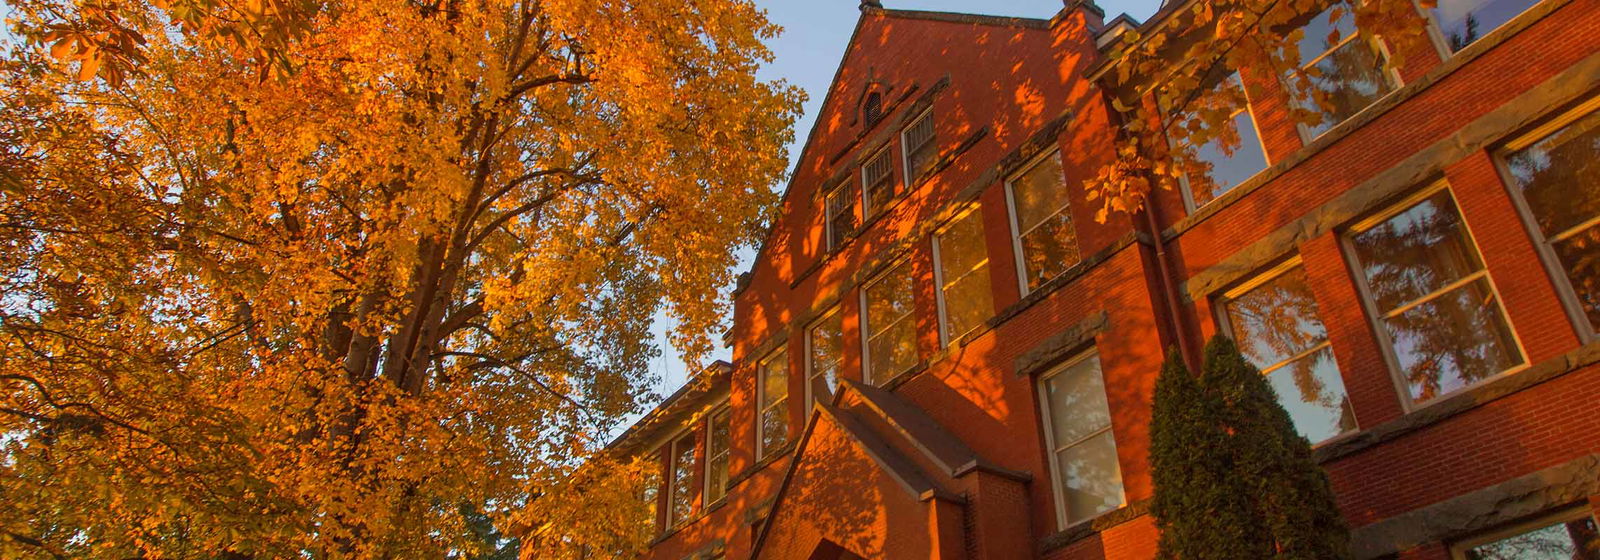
(1232, 477)
(1163, 83)
(339, 278)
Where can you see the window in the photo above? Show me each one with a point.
(718, 438)
(649, 492)
(1571, 535)
(965, 300)
(1344, 75)
(773, 389)
(1555, 174)
(1461, 22)
(1432, 298)
(872, 109)
(840, 206)
(1083, 453)
(1046, 243)
(682, 482)
(891, 341)
(825, 350)
(877, 183)
(1275, 321)
(1231, 158)
(920, 149)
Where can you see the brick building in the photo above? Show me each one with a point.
(939, 352)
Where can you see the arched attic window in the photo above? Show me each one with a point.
(872, 109)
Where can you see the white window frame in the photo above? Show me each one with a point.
(672, 475)
(866, 325)
(946, 337)
(1375, 316)
(1016, 229)
(1052, 449)
(906, 148)
(1189, 204)
(1386, 68)
(1225, 326)
(722, 411)
(1458, 551)
(811, 368)
(761, 394)
(1547, 255)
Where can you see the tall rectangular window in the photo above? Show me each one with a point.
(1570, 535)
(891, 335)
(1083, 452)
(1344, 74)
(650, 493)
(1555, 173)
(1045, 241)
(840, 205)
(718, 440)
(824, 351)
(1461, 22)
(1275, 321)
(1432, 298)
(965, 300)
(773, 391)
(877, 182)
(1234, 155)
(682, 482)
(921, 150)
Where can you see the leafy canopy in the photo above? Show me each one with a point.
(347, 278)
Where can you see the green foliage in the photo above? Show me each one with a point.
(1233, 479)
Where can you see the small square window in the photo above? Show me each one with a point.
(1433, 300)
(1275, 321)
(887, 324)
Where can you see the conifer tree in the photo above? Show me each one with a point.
(1233, 479)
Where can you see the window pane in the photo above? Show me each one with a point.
(827, 348)
(893, 352)
(774, 427)
(1276, 320)
(1416, 252)
(877, 177)
(920, 147)
(1464, 21)
(1039, 192)
(841, 214)
(968, 303)
(717, 441)
(1348, 79)
(1571, 540)
(1228, 170)
(964, 270)
(1049, 250)
(891, 333)
(774, 379)
(682, 479)
(1559, 177)
(1091, 480)
(1077, 404)
(1311, 390)
(1452, 341)
(889, 299)
(1580, 258)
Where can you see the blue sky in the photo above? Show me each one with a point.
(808, 51)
